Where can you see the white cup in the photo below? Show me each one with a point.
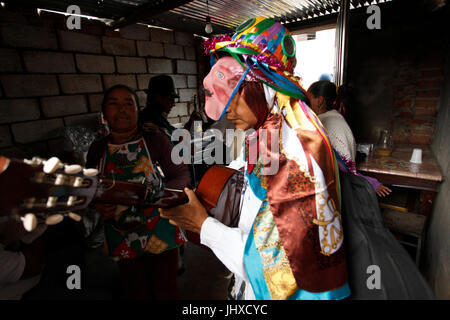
(416, 156)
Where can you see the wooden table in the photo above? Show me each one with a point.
(396, 170)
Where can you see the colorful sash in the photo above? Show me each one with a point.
(295, 247)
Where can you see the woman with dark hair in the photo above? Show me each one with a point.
(142, 243)
(328, 103)
(289, 240)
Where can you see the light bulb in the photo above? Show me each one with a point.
(208, 27)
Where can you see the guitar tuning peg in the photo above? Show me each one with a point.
(54, 219)
(60, 179)
(52, 164)
(71, 201)
(78, 182)
(51, 201)
(90, 172)
(74, 216)
(72, 169)
(29, 222)
(28, 203)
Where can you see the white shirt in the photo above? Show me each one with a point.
(340, 134)
(12, 265)
(227, 243)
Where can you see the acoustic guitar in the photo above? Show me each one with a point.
(38, 189)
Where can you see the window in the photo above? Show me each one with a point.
(315, 56)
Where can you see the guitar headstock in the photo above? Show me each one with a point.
(44, 189)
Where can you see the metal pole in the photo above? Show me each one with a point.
(341, 40)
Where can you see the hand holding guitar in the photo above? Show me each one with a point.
(189, 216)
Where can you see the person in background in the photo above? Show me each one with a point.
(161, 95)
(326, 76)
(22, 259)
(327, 104)
(144, 245)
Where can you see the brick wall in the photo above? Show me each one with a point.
(396, 74)
(51, 77)
(416, 99)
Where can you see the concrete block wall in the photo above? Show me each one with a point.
(51, 77)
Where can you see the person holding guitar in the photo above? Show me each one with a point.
(144, 245)
(288, 243)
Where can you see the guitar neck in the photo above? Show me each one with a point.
(120, 192)
(133, 193)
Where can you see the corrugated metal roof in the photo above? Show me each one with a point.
(230, 13)
(190, 15)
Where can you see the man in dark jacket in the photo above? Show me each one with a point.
(161, 95)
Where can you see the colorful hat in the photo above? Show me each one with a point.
(268, 49)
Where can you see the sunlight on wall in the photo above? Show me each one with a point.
(315, 57)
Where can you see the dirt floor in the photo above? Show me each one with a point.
(205, 277)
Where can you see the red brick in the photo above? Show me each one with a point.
(427, 131)
(426, 103)
(398, 103)
(400, 137)
(419, 139)
(429, 84)
(431, 63)
(404, 114)
(424, 112)
(431, 74)
(416, 122)
(434, 93)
